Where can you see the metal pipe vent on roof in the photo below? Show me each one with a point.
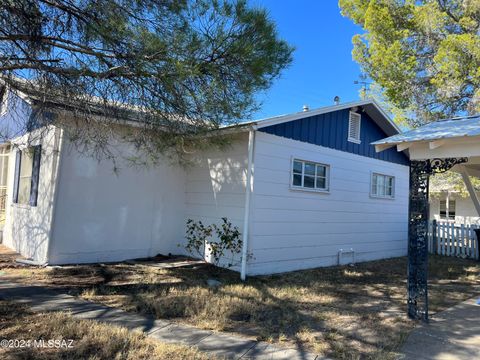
(305, 108)
(336, 100)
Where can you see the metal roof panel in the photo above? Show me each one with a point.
(449, 128)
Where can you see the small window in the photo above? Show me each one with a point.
(354, 127)
(310, 175)
(27, 169)
(451, 209)
(25, 178)
(447, 209)
(383, 186)
(443, 209)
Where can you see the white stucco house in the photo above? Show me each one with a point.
(306, 190)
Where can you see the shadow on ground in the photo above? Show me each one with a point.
(345, 312)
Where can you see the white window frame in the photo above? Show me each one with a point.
(377, 196)
(351, 139)
(448, 213)
(326, 189)
(28, 177)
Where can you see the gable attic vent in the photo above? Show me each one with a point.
(354, 127)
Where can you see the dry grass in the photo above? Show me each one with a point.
(342, 312)
(91, 340)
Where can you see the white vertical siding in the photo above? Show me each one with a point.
(28, 229)
(215, 184)
(293, 229)
(103, 216)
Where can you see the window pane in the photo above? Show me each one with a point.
(24, 190)
(451, 206)
(297, 167)
(26, 164)
(321, 170)
(309, 169)
(380, 190)
(25, 181)
(321, 182)
(383, 185)
(443, 205)
(381, 180)
(297, 180)
(390, 181)
(380, 185)
(451, 209)
(309, 175)
(443, 209)
(309, 181)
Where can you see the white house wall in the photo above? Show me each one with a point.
(215, 184)
(102, 216)
(293, 229)
(28, 229)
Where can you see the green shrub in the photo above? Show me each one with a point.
(218, 241)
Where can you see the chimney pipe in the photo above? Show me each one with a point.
(336, 100)
(305, 108)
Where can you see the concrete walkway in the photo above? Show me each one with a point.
(42, 299)
(453, 334)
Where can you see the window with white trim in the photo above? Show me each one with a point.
(27, 171)
(383, 186)
(447, 209)
(310, 175)
(25, 176)
(354, 122)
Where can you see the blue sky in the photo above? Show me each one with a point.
(322, 65)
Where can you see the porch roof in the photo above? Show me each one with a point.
(450, 138)
(449, 128)
(455, 137)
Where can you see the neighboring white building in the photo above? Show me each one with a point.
(453, 206)
(305, 189)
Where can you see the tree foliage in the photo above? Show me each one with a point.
(425, 54)
(453, 182)
(177, 68)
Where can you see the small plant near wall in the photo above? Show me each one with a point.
(217, 241)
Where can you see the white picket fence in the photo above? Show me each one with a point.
(450, 239)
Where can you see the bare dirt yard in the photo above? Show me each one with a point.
(345, 312)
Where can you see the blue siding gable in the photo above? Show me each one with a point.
(331, 130)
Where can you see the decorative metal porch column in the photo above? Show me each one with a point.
(420, 172)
